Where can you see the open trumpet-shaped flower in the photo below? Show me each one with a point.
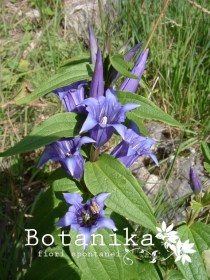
(130, 84)
(86, 218)
(105, 114)
(72, 96)
(67, 153)
(133, 146)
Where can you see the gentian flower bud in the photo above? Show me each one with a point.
(195, 182)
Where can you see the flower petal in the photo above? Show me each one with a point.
(85, 140)
(93, 45)
(130, 106)
(138, 69)
(121, 129)
(134, 127)
(87, 235)
(49, 153)
(101, 134)
(105, 223)
(163, 226)
(97, 84)
(88, 124)
(101, 198)
(73, 198)
(66, 220)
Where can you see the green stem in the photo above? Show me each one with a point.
(192, 219)
(94, 153)
(166, 274)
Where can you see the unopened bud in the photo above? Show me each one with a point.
(195, 181)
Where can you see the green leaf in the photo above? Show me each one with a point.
(206, 166)
(83, 58)
(121, 66)
(50, 205)
(199, 234)
(196, 206)
(127, 197)
(103, 262)
(54, 128)
(206, 151)
(148, 271)
(147, 110)
(206, 257)
(66, 76)
(175, 275)
(51, 268)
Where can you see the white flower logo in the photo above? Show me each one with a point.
(171, 241)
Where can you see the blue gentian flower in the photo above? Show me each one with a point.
(195, 181)
(133, 146)
(67, 152)
(86, 218)
(72, 96)
(129, 84)
(105, 114)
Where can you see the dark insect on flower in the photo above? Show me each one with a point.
(86, 218)
(195, 181)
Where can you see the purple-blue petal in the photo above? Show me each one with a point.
(72, 96)
(111, 90)
(129, 84)
(130, 53)
(134, 127)
(87, 235)
(97, 84)
(132, 147)
(101, 134)
(74, 165)
(85, 140)
(66, 220)
(104, 222)
(101, 198)
(130, 106)
(89, 123)
(73, 198)
(93, 45)
(50, 153)
(120, 150)
(121, 129)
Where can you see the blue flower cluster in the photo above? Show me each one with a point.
(105, 115)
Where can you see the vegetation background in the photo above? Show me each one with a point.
(36, 38)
